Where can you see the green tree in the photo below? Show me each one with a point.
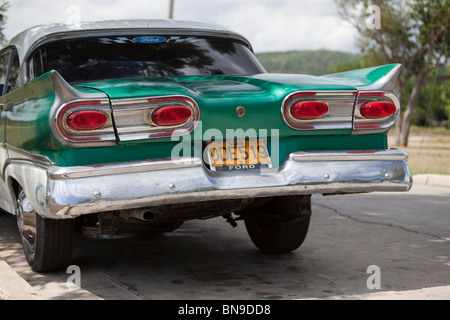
(411, 32)
(3, 8)
(313, 62)
(431, 109)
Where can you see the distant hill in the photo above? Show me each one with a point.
(312, 62)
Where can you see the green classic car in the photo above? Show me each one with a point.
(153, 123)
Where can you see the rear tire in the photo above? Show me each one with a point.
(47, 243)
(281, 225)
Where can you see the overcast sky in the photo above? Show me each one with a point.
(270, 25)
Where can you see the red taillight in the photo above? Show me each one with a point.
(171, 115)
(85, 123)
(377, 110)
(86, 120)
(308, 110)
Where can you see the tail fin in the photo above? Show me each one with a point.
(369, 79)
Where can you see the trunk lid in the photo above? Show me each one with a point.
(219, 97)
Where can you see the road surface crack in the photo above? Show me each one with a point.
(381, 223)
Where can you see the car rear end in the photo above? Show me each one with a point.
(163, 125)
(196, 140)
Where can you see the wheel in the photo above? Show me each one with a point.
(47, 243)
(281, 225)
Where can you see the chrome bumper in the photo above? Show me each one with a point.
(76, 191)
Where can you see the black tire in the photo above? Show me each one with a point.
(47, 243)
(281, 225)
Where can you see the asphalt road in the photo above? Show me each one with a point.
(371, 246)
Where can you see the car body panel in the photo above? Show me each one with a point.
(217, 108)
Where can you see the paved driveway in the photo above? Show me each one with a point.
(372, 246)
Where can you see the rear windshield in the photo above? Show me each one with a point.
(89, 59)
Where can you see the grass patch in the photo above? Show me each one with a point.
(428, 149)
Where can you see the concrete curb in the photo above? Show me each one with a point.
(13, 286)
(434, 180)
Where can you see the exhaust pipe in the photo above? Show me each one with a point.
(140, 214)
(147, 215)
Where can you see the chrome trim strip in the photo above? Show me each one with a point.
(57, 173)
(27, 156)
(385, 155)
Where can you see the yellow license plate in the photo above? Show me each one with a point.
(238, 155)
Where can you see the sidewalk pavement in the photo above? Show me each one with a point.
(432, 180)
(14, 287)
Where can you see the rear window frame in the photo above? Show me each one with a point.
(53, 40)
